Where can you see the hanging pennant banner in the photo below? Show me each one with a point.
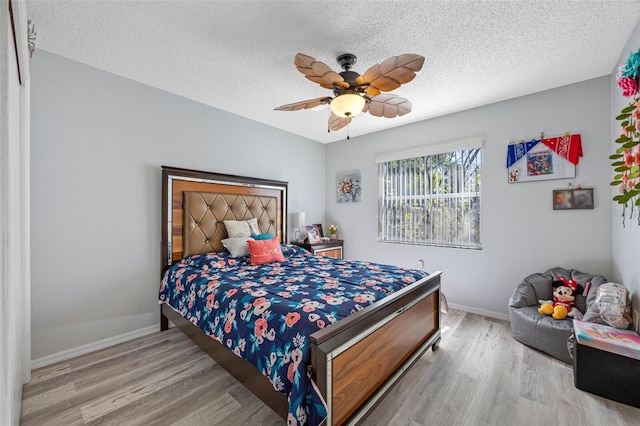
(516, 151)
(567, 146)
(542, 159)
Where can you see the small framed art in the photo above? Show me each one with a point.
(313, 234)
(320, 231)
(573, 199)
(348, 189)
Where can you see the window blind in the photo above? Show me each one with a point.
(431, 199)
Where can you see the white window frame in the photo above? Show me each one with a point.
(421, 154)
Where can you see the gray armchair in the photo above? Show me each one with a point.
(541, 331)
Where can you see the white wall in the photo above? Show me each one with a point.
(626, 241)
(521, 233)
(98, 141)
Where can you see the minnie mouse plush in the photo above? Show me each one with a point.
(563, 298)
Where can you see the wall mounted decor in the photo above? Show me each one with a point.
(544, 158)
(348, 188)
(626, 160)
(573, 199)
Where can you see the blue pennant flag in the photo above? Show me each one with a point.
(518, 150)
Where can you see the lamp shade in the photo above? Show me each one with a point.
(298, 220)
(297, 225)
(347, 105)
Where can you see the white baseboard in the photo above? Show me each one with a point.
(477, 311)
(93, 346)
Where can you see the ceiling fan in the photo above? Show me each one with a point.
(355, 93)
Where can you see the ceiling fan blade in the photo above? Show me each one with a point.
(372, 91)
(388, 105)
(393, 72)
(337, 123)
(318, 72)
(309, 103)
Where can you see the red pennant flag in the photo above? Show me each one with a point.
(568, 146)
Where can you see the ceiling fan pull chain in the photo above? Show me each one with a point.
(347, 132)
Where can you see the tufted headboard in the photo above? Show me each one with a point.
(196, 204)
(205, 213)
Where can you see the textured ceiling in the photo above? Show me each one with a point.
(238, 55)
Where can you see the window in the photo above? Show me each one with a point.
(431, 199)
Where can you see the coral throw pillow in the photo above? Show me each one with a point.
(265, 251)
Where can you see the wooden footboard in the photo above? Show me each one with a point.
(357, 360)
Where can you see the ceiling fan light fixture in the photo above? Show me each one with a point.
(347, 105)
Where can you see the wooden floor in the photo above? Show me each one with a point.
(478, 376)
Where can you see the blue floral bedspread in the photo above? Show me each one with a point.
(265, 314)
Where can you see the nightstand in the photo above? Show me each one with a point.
(332, 248)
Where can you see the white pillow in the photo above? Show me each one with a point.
(237, 228)
(238, 247)
(253, 226)
(242, 228)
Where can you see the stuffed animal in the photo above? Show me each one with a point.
(564, 295)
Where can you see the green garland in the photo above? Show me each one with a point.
(626, 160)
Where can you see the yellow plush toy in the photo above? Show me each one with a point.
(563, 298)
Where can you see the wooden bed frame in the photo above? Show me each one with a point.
(355, 361)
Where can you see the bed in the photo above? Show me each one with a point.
(353, 361)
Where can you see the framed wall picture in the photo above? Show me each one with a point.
(562, 199)
(348, 189)
(313, 234)
(582, 198)
(573, 199)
